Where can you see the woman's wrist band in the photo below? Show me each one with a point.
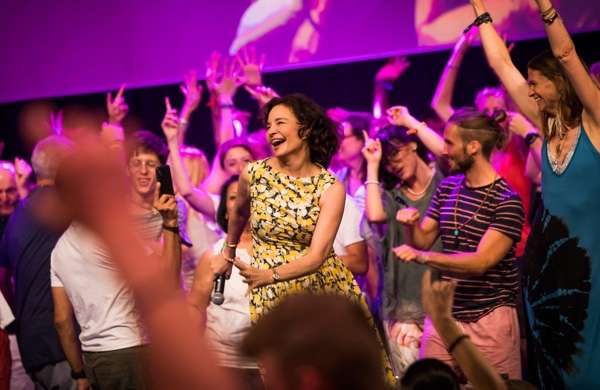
(457, 341)
(371, 182)
(549, 15)
(227, 259)
(481, 19)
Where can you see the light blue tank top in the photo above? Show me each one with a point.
(564, 293)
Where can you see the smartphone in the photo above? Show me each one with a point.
(163, 175)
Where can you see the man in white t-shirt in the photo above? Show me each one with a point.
(86, 283)
(348, 244)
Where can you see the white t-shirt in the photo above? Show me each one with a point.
(103, 305)
(227, 324)
(349, 230)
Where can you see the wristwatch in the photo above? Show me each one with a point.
(276, 276)
(78, 374)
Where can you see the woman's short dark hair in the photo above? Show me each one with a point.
(392, 138)
(570, 107)
(478, 126)
(232, 144)
(144, 141)
(428, 374)
(221, 214)
(315, 126)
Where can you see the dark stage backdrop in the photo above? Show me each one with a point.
(71, 47)
(349, 85)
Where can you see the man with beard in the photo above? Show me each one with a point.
(479, 219)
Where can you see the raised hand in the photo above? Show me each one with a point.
(170, 123)
(372, 150)
(392, 70)
(166, 205)
(519, 125)
(192, 91)
(261, 93)
(437, 297)
(212, 70)
(400, 116)
(117, 108)
(408, 216)
(250, 66)
(22, 172)
(224, 83)
(56, 122)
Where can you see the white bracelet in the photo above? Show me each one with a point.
(372, 182)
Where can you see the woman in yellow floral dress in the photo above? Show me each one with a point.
(295, 207)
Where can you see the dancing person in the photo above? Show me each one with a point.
(479, 220)
(401, 162)
(296, 207)
(511, 161)
(561, 99)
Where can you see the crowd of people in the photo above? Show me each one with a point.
(356, 250)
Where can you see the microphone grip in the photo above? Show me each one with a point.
(217, 296)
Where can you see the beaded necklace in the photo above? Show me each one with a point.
(457, 228)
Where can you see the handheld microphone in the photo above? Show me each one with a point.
(217, 296)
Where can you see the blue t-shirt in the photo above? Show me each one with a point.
(25, 250)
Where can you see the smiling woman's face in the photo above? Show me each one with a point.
(282, 131)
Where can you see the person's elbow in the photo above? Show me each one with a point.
(62, 322)
(375, 217)
(358, 266)
(483, 264)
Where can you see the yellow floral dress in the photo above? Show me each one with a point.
(284, 214)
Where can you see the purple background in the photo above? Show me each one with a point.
(62, 47)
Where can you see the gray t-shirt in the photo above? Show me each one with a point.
(401, 295)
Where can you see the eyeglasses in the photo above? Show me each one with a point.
(137, 164)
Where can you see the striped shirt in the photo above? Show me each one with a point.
(464, 215)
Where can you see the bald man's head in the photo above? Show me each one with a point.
(9, 196)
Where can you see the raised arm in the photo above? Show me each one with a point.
(384, 78)
(223, 85)
(437, 299)
(442, 98)
(171, 254)
(374, 209)
(196, 197)
(400, 116)
(498, 57)
(192, 91)
(116, 108)
(564, 50)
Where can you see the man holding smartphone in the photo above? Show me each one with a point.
(112, 350)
